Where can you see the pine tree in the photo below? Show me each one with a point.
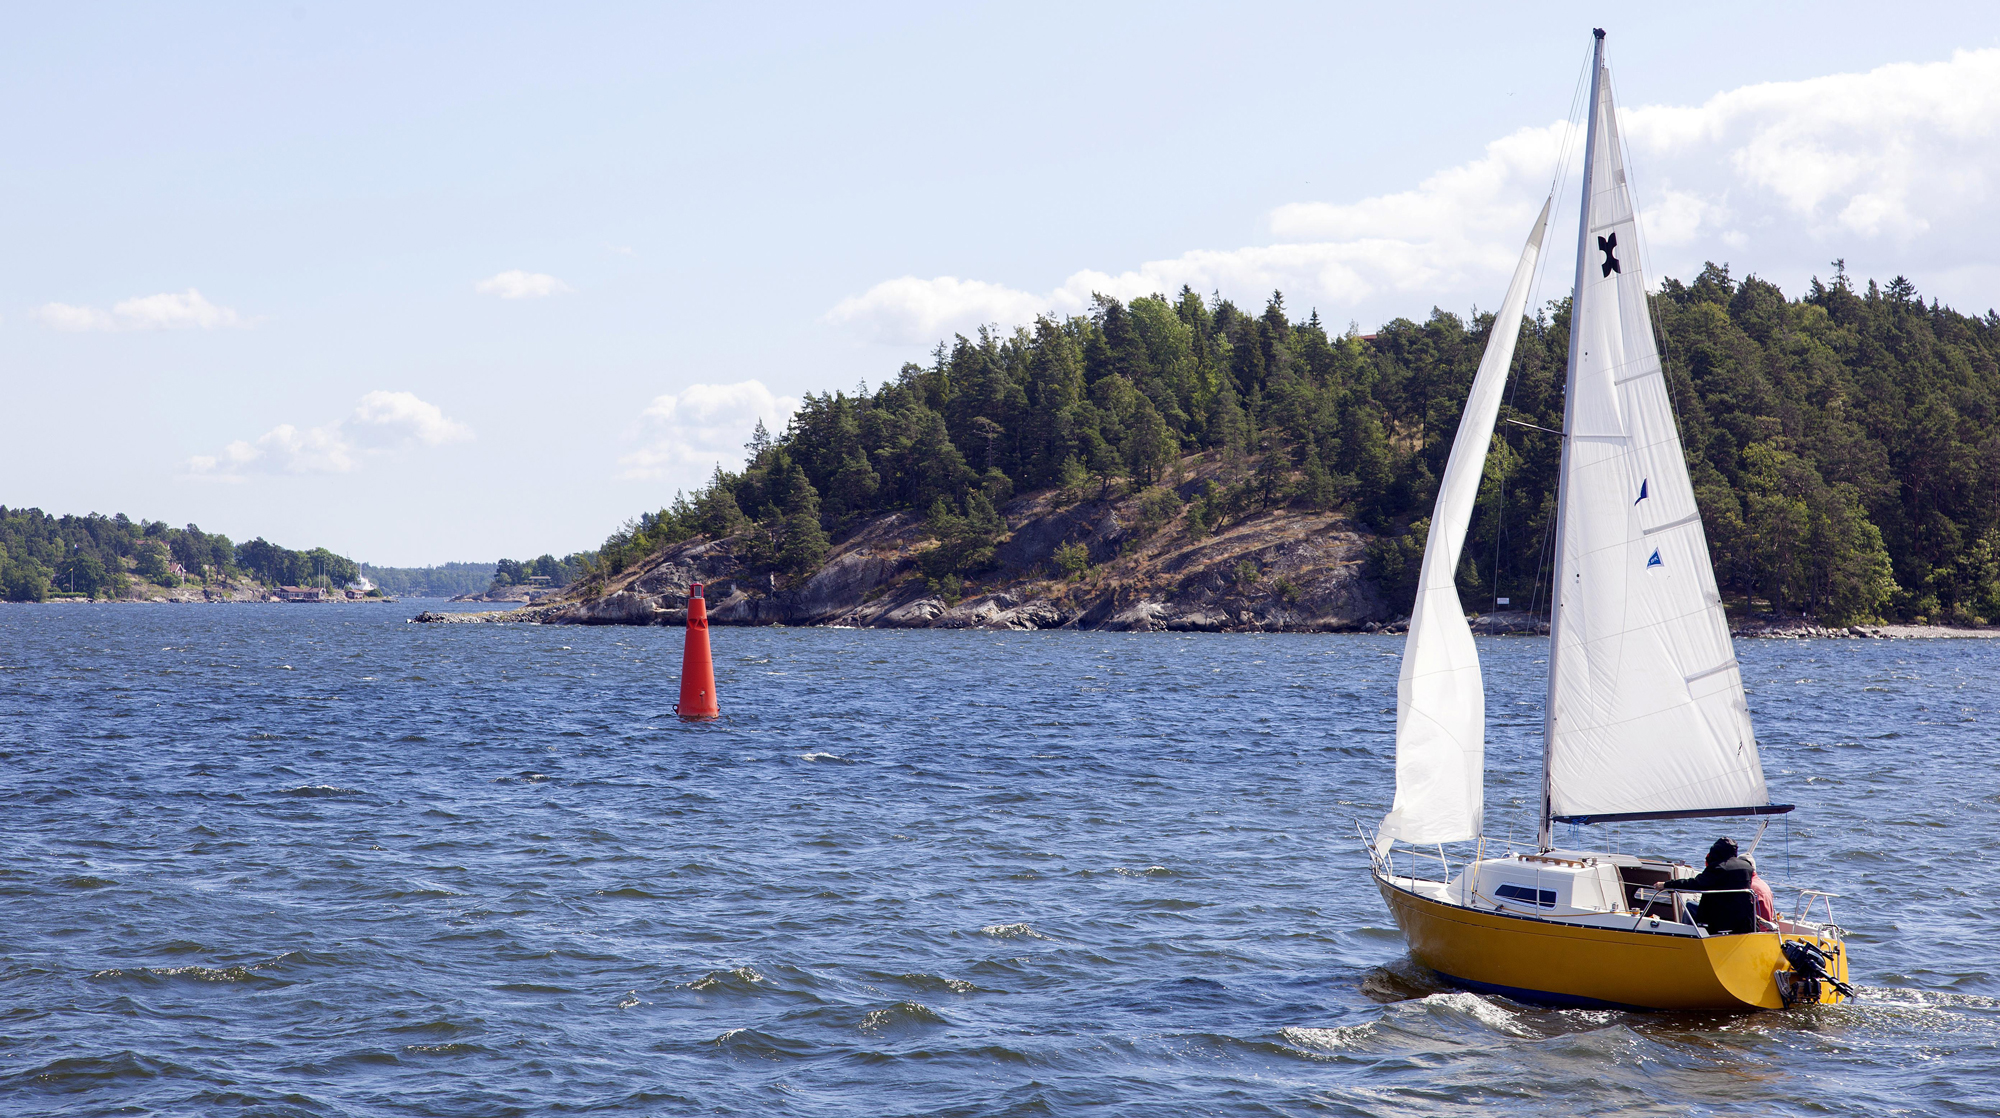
(1317, 488)
(759, 444)
(1227, 429)
(1150, 446)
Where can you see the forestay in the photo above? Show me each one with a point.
(1440, 698)
(1646, 709)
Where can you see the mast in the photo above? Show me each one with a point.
(1547, 835)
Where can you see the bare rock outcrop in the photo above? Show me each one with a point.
(622, 607)
(1277, 570)
(1506, 623)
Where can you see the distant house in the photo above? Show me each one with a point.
(301, 594)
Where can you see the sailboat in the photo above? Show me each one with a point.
(1646, 716)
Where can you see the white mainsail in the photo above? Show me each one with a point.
(1440, 698)
(1646, 713)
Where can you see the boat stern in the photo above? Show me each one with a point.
(1636, 963)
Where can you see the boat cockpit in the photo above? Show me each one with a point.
(1587, 888)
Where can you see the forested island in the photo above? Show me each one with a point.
(1843, 448)
(505, 580)
(444, 580)
(116, 557)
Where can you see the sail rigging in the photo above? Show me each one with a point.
(1646, 712)
(1440, 697)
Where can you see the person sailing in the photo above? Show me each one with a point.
(1728, 906)
(1767, 905)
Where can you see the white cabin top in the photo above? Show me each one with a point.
(1561, 883)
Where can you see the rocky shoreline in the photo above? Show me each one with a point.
(524, 595)
(635, 610)
(1805, 630)
(1280, 570)
(210, 597)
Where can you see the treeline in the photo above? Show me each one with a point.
(1843, 445)
(546, 570)
(100, 557)
(1114, 397)
(446, 580)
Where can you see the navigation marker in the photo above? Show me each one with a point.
(697, 666)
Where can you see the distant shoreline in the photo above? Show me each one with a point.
(1486, 626)
(193, 601)
(1766, 631)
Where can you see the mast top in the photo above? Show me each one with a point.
(1597, 31)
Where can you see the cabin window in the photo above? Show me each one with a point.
(1546, 898)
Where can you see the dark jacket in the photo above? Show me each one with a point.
(1723, 914)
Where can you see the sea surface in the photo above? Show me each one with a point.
(314, 860)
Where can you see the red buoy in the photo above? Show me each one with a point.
(697, 667)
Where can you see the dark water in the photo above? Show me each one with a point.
(316, 861)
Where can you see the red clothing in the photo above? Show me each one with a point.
(1767, 906)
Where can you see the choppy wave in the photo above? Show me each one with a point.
(901, 1015)
(1342, 1038)
(320, 791)
(735, 980)
(190, 973)
(1011, 931)
(510, 882)
(920, 981)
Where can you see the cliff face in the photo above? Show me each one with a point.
(1281, 570)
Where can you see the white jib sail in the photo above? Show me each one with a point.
(1440, 699)
(1646, 708)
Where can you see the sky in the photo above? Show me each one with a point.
(456, 282)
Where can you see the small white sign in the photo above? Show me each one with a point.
(1503, 601)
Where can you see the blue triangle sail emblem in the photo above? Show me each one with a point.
(1642, 490)
(1655, 560)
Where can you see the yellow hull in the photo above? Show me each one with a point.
(1567, 964)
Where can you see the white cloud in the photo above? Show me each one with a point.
(62, 316)
(1467, 203)
(398, 416)
(1895, 169)
(518, 284)
(686, 434)
(1848, 158)
(914, 311)
(1453, 230)
(165, 311)
(383, 422)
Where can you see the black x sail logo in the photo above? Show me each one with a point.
(1605, 245)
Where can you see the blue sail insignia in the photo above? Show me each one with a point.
(1642, 489)
(1655, 560)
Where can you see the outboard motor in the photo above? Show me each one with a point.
(1810, 963)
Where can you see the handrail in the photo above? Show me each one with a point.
(1653, 894)
(1387, 864)
(1806, 906)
